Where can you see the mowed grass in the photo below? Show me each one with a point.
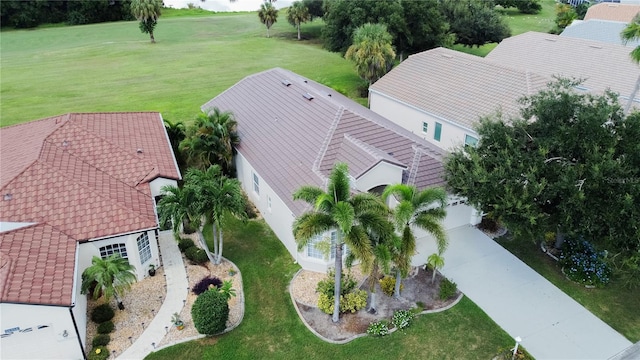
(114, 67)
(271, 329)
(617, 306)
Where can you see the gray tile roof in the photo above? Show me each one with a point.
(292, 141)
(458, 87)
(603, 66)
(599, 30)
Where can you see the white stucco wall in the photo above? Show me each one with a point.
(157, 184)
(411, 118)
(48, 342)
(381, 174)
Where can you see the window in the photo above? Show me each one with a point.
(438, 131)
(269, 203)
(316, 251)
(109, 250)
(470, 141)
(425, 127)
(256, 184)
(143, 248)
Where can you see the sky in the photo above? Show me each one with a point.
(225, 5)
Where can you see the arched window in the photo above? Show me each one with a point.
(143, 247)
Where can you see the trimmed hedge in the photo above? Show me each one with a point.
(98, 353)
(101, 340)
(102, 313)
(210, 312)
(185, 243)
(196, 255)
(106, 327)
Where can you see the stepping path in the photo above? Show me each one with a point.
(551, 324)
(177, 286)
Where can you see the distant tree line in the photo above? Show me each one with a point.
(31, 13)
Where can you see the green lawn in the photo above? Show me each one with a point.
(271, 328)
(615, 305)
(114, 67)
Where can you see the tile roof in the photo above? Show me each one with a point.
(603, 66)
(87, 178)
(292, 141)
(458, 87)
(613, 12)
(598, 30)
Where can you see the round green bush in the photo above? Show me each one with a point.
(196, 255)
(447, 289)
(101, 340)
(106, 327)
(98, 353)
(102, 313)
(210, 312)
(185, 243)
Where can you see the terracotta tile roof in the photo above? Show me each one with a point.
(292, 141)
(88, 180)
(602, 65)
(458, 87)
(37, 266)
(599, 30)
(613, 12)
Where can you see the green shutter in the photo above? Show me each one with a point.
(438, 131)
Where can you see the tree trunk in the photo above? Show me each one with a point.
(153, 40)
(632, 96)
(298, 31)
(120, 304)
(373, 278)
(559, 240)
(396, 292)
(268, 35)
(433, 277)
(337, 278)
(204, 245)
(219, 255)
(215, 237)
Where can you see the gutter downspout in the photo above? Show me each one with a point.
(73, 301)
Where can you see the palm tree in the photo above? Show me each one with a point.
(631, 33)
(178, 204)
(381, 243)
(436, 261)
(212, 140)
(424, 209)
(147, 12)
(109, 277)
(216, 196)
(268, 15)
(371, 51)
(176, 132)
(298, 13)
(349, 215)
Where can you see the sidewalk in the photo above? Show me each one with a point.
(177, 285)
(551, 324)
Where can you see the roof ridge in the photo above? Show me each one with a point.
(371, 150)
(413, 172)
(326, 141)
(31, 122)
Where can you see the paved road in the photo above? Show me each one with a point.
(551, 324)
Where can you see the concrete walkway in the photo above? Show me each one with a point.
(551, 324)
(177, 286)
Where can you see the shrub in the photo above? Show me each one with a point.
(98, 353)
(325, 303)
(227, 289)
(185, 243)
(196, 255)
(101, 340)
(326, 286)
(102, 313)
(488, 224)
(378, 328)
(583, 264)
(353, 302)
(205, 284)
(106, 327)
(388, 285)
(249, 208)
(210, 312)
(447, 289)
(402, 319)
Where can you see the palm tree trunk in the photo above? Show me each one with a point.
(338, 280)
(268, 35)
(373, 278)
(433, 277)
(396, 292)
(298, 31)
(632, 96)
(153, 40)
(219, 255)
(215, 237)
(204, 245)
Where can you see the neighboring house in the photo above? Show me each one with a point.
(72, 187)
(292, 132)
(599, 30)
(613, 12)
(441, 94)
(602, 66)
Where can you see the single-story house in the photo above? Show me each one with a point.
(73, 187)
(440, 94)
(599, 30)
(293, 130)
(623, 12)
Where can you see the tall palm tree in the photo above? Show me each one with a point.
(111, 276)
(179, 204)
(297, 14)
(424, 209)
(381, 243)
(147, 12)
(371, 51)
(349, 215)
(631, 33)
(217, 195)
(268, 15)
(176, 132)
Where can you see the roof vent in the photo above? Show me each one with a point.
(139, 151)
(582, 88)
(7, 197)
(595, 46)
(65, 143)
(550, 39)
(307, 96)
(447, 56)
(285, 82)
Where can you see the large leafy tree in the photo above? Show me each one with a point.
(423, 209)
(570, 164)
(147, 12)
(298, 14)
(632, 33)
(109, 277)
(425, 28)
(211, 140)
(268, 15)
(474, 22)
(349, 215)
(371, 51)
